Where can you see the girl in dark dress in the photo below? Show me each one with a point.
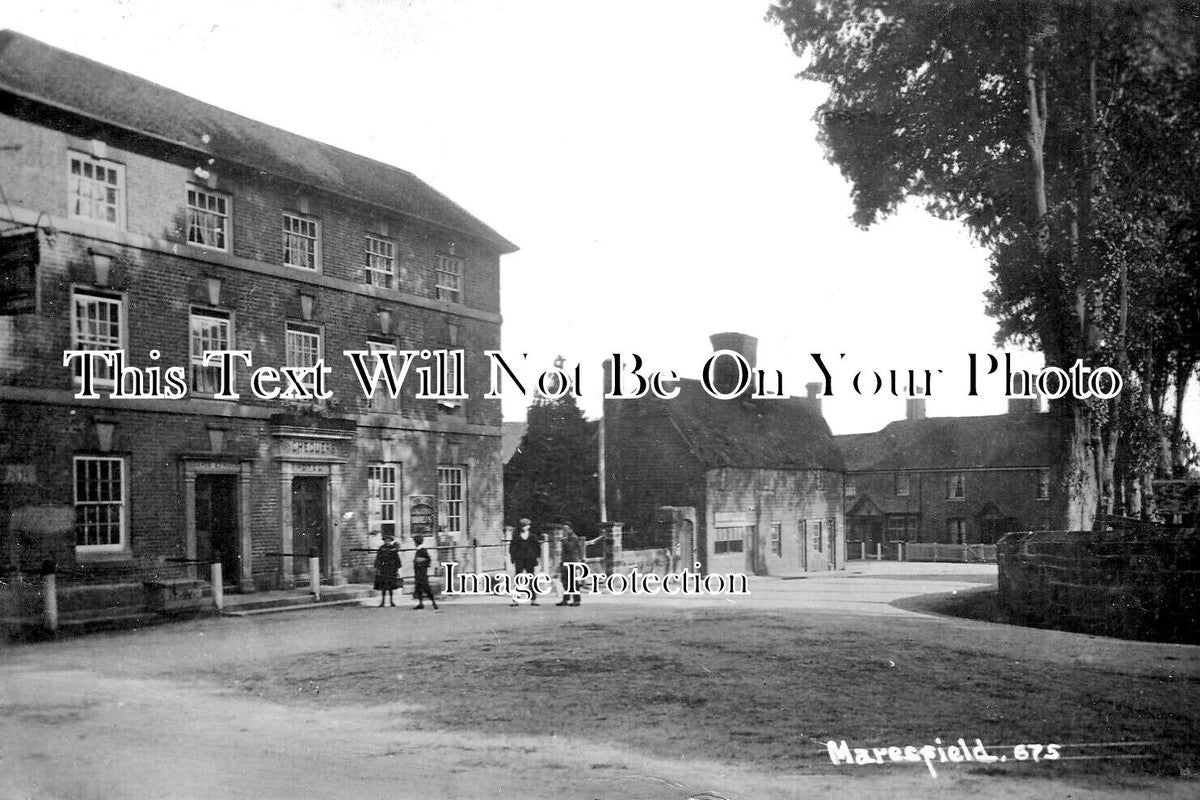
(387, 569)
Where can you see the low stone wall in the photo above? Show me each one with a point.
(654, 559)
(1142, 584)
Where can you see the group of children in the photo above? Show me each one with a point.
(387, 572)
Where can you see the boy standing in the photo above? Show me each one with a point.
(421, 562)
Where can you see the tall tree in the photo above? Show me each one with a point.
(1006, 117)
(552, 476)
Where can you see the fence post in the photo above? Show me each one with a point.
(218, 584)
(314, 573)
(50, 594)
(862, 550)
(899, 551)
(879, 551)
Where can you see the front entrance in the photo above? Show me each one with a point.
(310, 515)
(216, 512)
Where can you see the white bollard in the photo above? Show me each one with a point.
(879, 551)
(900, 551)
(50, 596)
(218, 586)
(862, 549)
(314, 574)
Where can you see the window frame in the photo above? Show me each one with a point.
(117, 299)
(956, 530)
(956, 481)
(446, 504)
(316, 240)
(377, 500)
(381, 403)
(726, 536)
(226, 232)
(818, 535)
(393, 279)
(122, 544)
(193, 363)
(72, 196)
(777, 539)
(902, 484)
(304, 329)
(445, 292)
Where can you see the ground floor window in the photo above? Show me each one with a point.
(777, 538)
(100, 517)
(956, 531)
(452, 498)
(731, 540)
(382, 491)
(902, 527)
(818, 536)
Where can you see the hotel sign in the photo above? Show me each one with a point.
(19, 255)
(300, 448)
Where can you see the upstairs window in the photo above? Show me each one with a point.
(304, 349)
(956, 486)
(903, 487)
(301, 242)
(210, 330)
(96, 324)
(382, 401)
(449, 278)
(96, 189)
(208, 219)
(381, 263)
(851, 488)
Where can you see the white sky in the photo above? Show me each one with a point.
(655, 161)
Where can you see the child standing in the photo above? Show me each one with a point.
(421, 562)
(387, 569)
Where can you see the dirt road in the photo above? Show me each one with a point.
(201, 709)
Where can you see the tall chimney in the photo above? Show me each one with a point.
(812, 393)
(726, 375)
(914, 408)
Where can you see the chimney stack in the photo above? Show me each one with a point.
(726, 375)
(812, 393)
(914, 408)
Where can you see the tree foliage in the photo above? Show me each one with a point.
(552, 476)
(1064, 135)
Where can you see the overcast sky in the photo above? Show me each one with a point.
(655, 161)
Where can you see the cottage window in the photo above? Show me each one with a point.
(818, 536)
(208, 219)
(903, 486)
(301, 242)
(731, 540)
(210, 330)
(96, 189)
(381, 263)
(100, 516)
(956, 486)
(956, 531)
(851, 488)
(382, 491)
(96, 324)
(449, 278)
(777, 538)
(901, 527)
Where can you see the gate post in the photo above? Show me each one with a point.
(879, 551)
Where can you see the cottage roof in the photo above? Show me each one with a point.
(756, 434)
(994, 442)
(72, 83)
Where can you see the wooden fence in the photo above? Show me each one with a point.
(921, 551)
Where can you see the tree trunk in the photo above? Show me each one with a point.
(1183, 374)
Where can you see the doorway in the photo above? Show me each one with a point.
(216, 513)
(310, 515)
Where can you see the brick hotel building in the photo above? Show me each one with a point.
(139, 219)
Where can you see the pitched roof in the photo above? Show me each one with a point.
(1004, 440)
(511, 434)
(756, 434)
(34, 70)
